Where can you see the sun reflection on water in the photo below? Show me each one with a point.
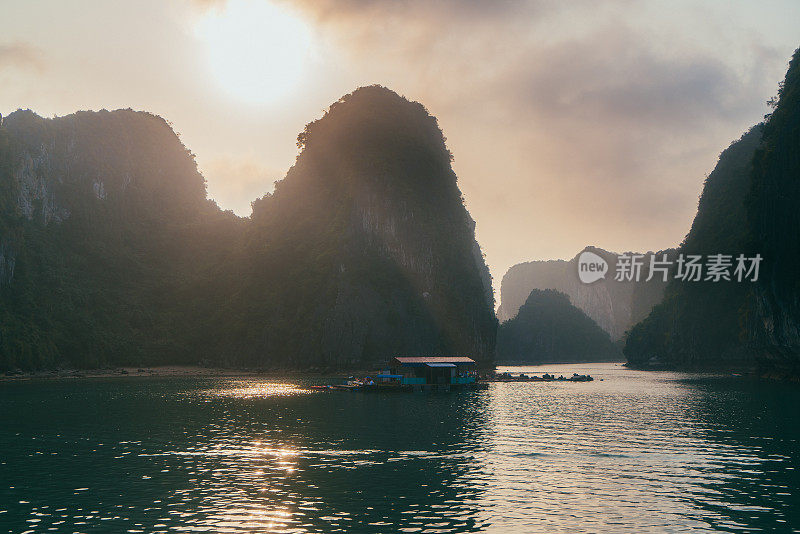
(633, 452)
(250, 390)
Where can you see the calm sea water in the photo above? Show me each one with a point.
(635, 452)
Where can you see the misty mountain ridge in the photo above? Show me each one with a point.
(615, 306)
(111, 253)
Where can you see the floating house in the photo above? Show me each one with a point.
(431, 372)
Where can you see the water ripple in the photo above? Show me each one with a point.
(635, 452)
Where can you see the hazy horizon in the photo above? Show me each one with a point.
(570, 126)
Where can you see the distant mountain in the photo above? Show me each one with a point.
(548, 328)
(110, 252)
(613, 305)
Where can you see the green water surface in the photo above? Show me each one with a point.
(635, 452)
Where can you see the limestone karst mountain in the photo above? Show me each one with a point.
(615, 306)
(748, 206)
(111, 253)
(774, 222)
(548, 328)
(700, 323)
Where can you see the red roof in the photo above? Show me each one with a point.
(433, 359)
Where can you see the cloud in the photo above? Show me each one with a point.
(574, 120)
(329, 9)
(208, 4)
(608, 138)
(618, 110)
(618, 75)
(579, 122)
(416, 9)
(21, 55)
(616, 106)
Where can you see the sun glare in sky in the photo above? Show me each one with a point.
(256, 51)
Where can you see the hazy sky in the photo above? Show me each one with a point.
(572, 122)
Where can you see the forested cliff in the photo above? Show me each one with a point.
(774, 220)
(111, 253)
(99, 213)
(366, 247)
(701, 324)
(748, 205)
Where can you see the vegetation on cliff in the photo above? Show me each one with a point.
(749, 205)
(775, 229)
(365, 250)
(110, 252)
(702, 323)
(98, 216)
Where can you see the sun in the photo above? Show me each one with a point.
(256, 51)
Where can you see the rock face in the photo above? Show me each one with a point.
(388, 263)
(548, 328)
(748, 206)
(774, 220)
(110, 252)
(615, 306)
(94, 216)
(701, 324)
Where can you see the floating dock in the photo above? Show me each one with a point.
(419, 373)
(522, 377)
(438, 373)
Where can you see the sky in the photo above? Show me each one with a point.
(572, 123)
